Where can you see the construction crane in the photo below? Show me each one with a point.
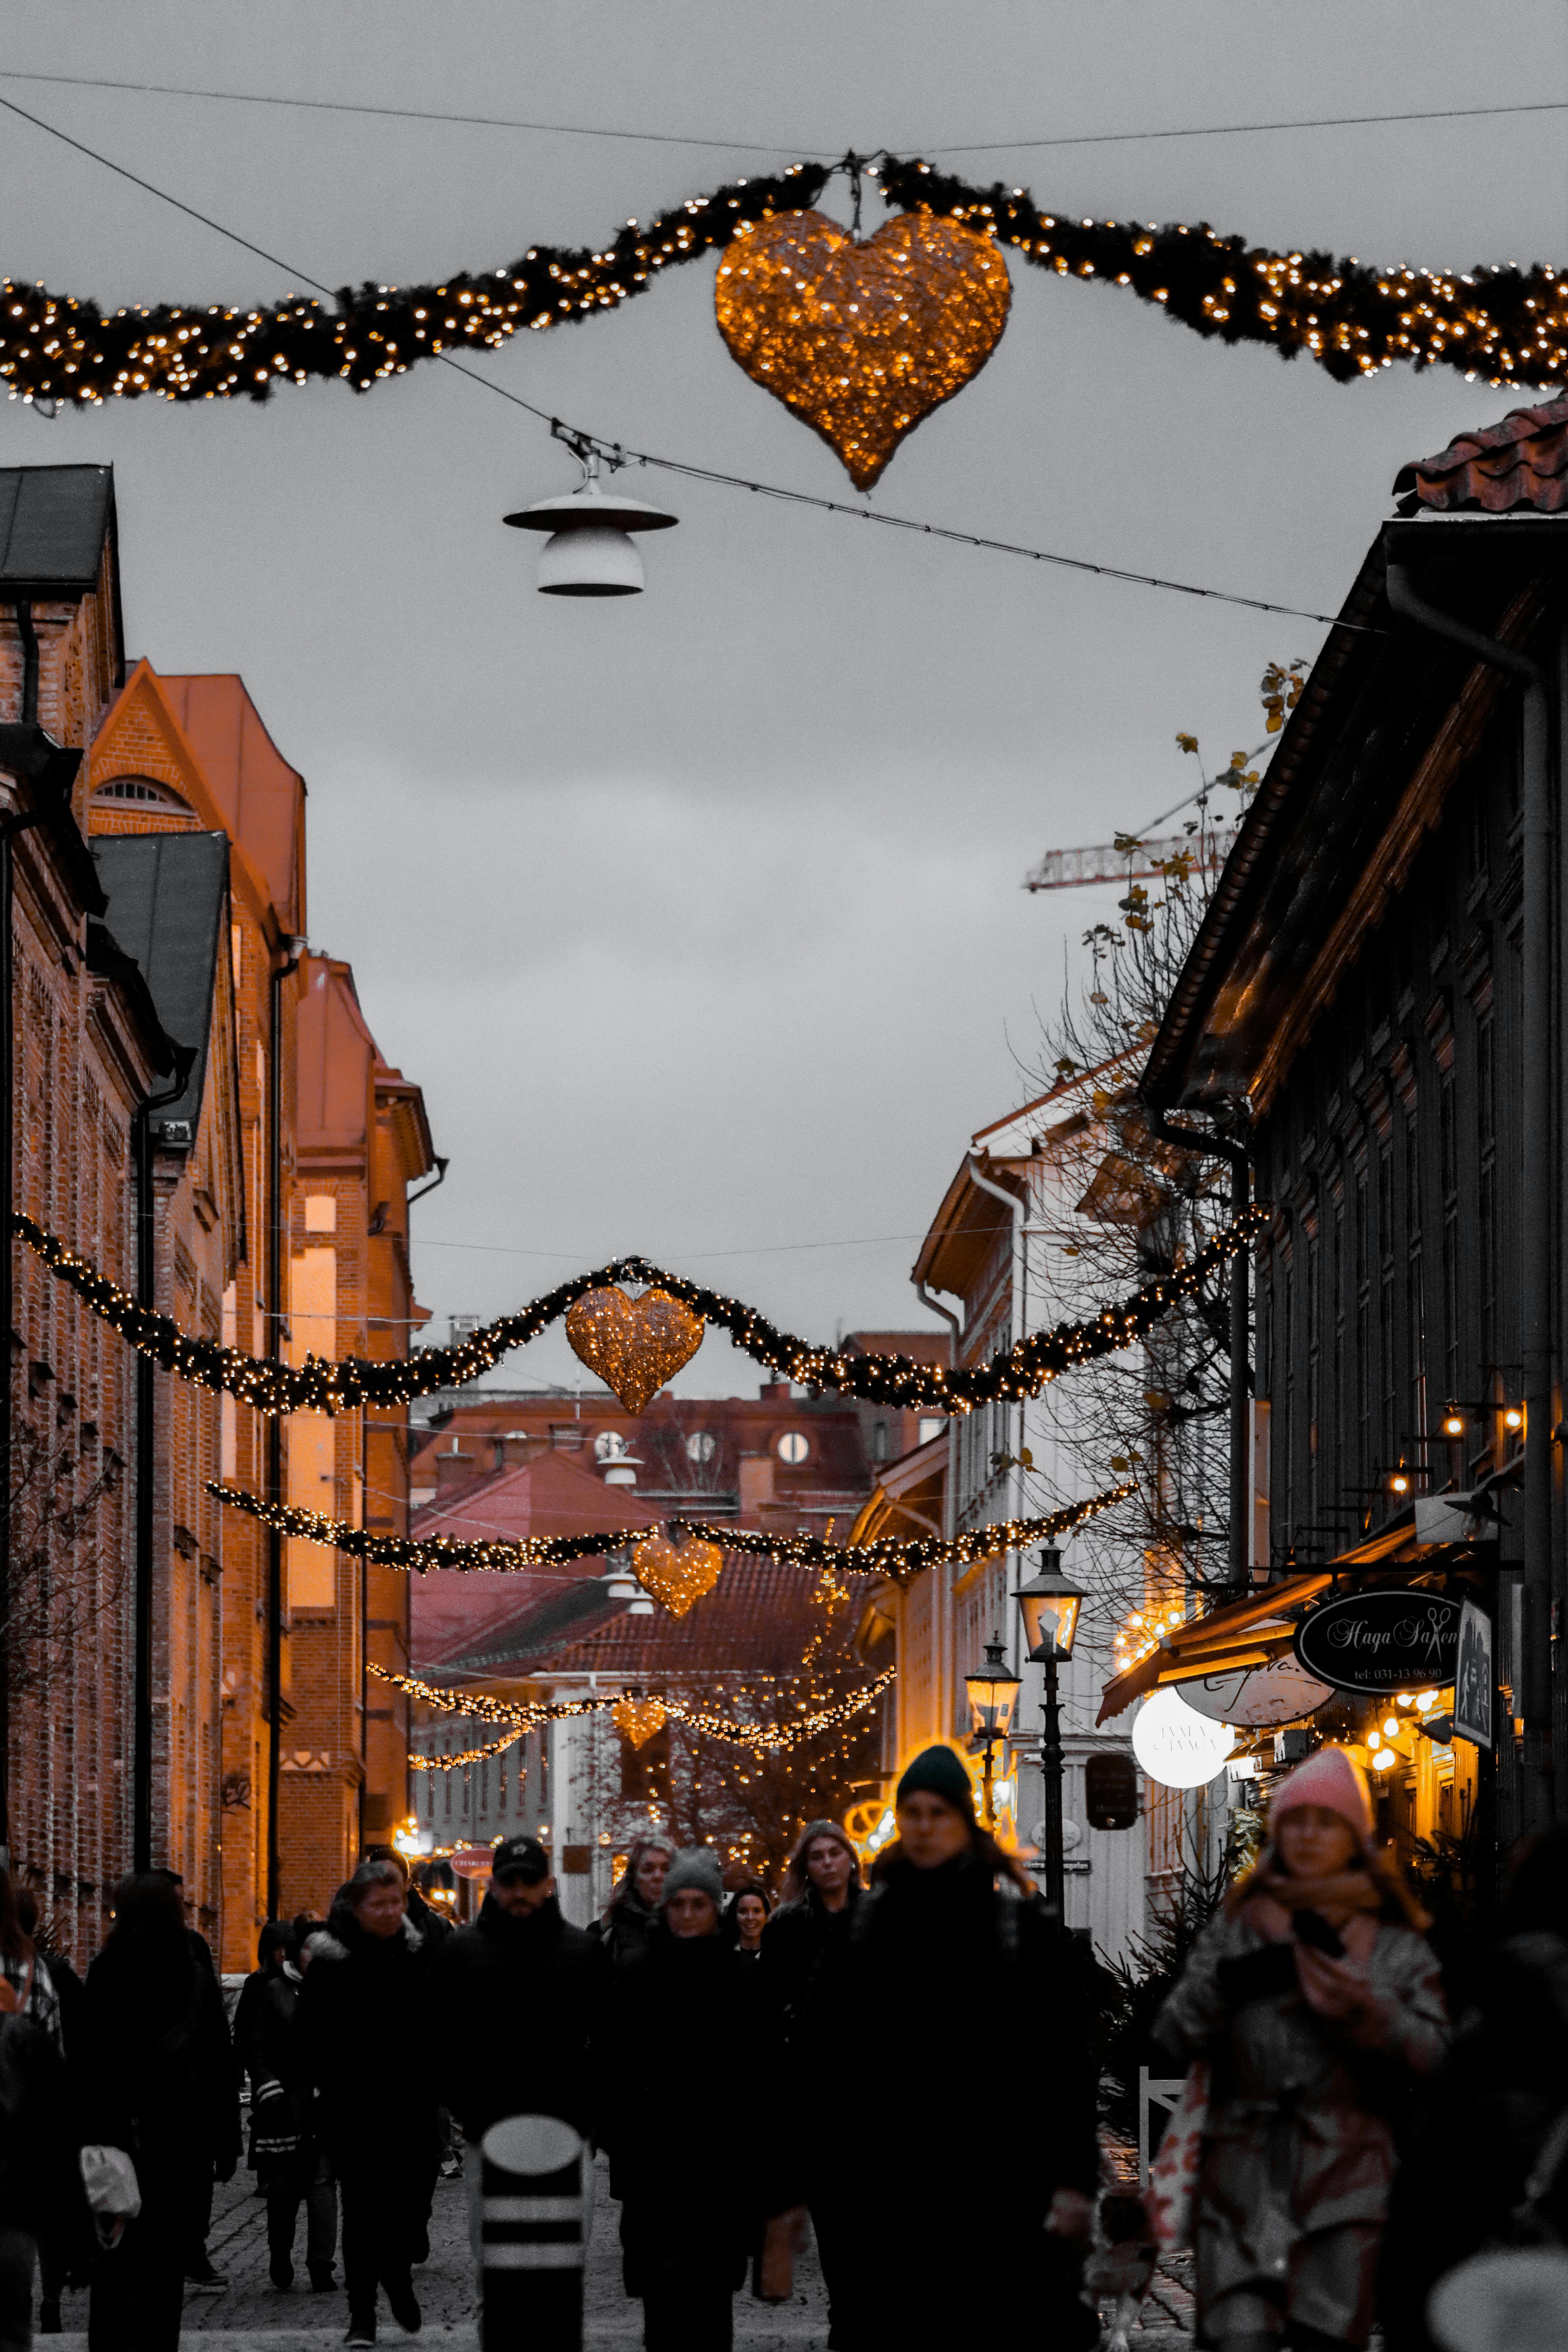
(1138, 856)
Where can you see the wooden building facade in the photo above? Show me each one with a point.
(1378, 1002)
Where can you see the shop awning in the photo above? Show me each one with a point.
(1428, 1524)
(1243, 1634)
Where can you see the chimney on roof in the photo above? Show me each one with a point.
(774, 1392)
(453, 1469)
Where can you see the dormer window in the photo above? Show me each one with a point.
(141, 796)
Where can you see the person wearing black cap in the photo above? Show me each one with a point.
(693, 2035)
(954, 1954)
(514, 2001)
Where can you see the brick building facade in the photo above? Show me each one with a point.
(179, 924)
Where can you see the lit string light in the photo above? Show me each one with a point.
(765, 1738)
(317, 1384)
(895, 1557)
(1501, 322)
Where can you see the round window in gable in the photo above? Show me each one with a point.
(701, 1445)
(793, 1446)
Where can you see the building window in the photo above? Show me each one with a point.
(931, 1426)
(701, 1445)
(879, 1447)
(793, 1446)
(141, 792)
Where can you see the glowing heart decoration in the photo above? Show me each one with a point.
(634, 1345)
(639, 1719)
(677, 1574)
(861, 340)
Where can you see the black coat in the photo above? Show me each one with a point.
(795, 1942)
(1480, 2125)
(40, 2178)
(362, 2024)
(624, 1930)
(156, 2067)
(691, 2045)
(270, 2048)
(943, 2077)
(514, 2004)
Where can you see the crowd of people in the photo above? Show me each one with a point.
(841, 2055)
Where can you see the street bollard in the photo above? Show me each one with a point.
(532, 2232)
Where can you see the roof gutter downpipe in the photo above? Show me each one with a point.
(1017, 1204)
(1238, 1560)
(1536, 1341)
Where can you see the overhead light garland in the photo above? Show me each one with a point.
(1498, 321)
(423, 1553)
(898, 1558)
(1012, 1374)
(769, 1738)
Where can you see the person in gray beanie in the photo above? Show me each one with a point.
(690, 2030)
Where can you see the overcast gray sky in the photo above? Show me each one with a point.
(697, 916)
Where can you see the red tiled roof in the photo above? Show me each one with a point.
(758, 1618)
(1523, 462)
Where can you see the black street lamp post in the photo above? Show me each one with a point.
(1050, 1603)
(993, 1695)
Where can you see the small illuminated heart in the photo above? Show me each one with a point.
(677, 1574)
(861, 340)
(634, 1345)
(638, 1719)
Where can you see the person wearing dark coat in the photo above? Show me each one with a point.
(292, 2168)
(630, 1913)
(690, 2033)
(360, 2014)
(1501, 2090)
(156, 2078)
(949, 1939)
(821, 1888)
(43, 2208)
(513, 2004)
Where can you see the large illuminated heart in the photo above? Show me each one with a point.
(677, 1574)
(634, 1345)
(861, 340)
(638, 1719)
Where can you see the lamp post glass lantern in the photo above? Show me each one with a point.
(992, 1694)
(1049, 1606)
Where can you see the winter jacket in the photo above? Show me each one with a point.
(270, 2047)
(1299, 2136)
(625, 1929)
(361, 2026)
(156, 2069)
(691, 2039)
(943, 1977)
(1500, 2088)
(41, 2179)
(512, 2005)
(43, 2004)
(793, 1943)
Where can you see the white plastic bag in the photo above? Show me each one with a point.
(113, 2192)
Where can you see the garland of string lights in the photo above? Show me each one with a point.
(775, 1739)
(1010, 1375)
(419, 1554)
(889, 1556)
(1507, 324)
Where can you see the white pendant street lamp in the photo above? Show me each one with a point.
(590, 550)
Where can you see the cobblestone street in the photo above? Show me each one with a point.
(249, 2313)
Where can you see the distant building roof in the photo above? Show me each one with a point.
(54, 520)
(167, 893)
(1523, 462)
(758, 1619)
(260, 796)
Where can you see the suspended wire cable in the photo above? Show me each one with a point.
(414, 113)
(620, 454)
(757, 147)
(1247, 130)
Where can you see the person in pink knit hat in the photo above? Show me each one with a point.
(1315, 2000)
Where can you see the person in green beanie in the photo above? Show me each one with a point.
(952, 1952)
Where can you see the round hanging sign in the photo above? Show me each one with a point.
(1281, 1692)
(1176, 1747)
(1381, 1641)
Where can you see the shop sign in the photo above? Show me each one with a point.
(1473, 1678)
(1381, 1641)
(1178, 1748)
(1110, 1790)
